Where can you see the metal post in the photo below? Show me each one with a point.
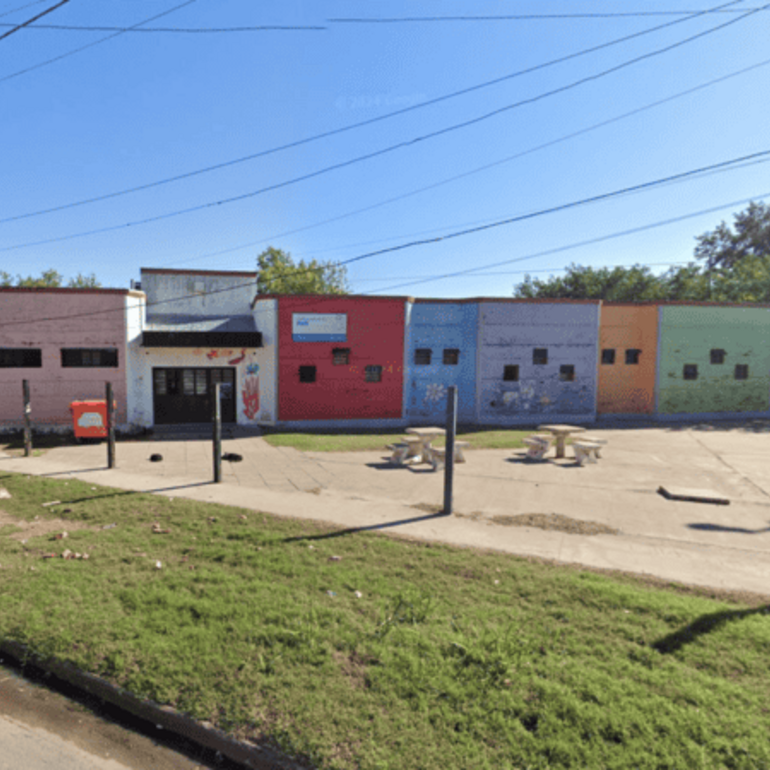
(110, 427)
(217, 434)
(451, 429)
(27, 419)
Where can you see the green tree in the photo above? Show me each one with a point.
(723, 247)
(81, 281)
(49, 279)
(279, 274)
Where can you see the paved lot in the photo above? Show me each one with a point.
(725, 547)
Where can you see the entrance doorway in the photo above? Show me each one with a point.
(186, 395)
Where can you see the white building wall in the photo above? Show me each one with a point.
(136, 308)
(206, 294)
(263, 380)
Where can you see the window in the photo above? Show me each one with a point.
(86, 357)
(741, 371)
(422, 356)
(608, 356)
(201, 382)
(717, 356)
(340, 356)
(188, 382)
(159, 377)
(451, 356)
(632, 356)
(511, 373)
(307, 374)
(690, 372)
(566, 372)
(20, 358)
(540, 356)
(373, 374)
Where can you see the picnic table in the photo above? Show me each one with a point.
(560, 433)
(426, 435)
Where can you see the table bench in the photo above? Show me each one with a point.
(438, 456)
(539, 444)
(586, 451)
(409, 449)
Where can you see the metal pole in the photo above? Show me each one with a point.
(110, 427)
(27, 419)
(217, 435)
(451, 429)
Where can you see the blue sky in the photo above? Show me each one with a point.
(142, 107)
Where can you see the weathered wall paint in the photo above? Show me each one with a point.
(375, 337)
(509, 332)
(439, 326)
(83, 318)
(627, 388)
(263, 380)
(688, 334)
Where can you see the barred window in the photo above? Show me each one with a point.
(451, 356)
(340, 356)
(632, 355)
(540, 356)
(373, 374)
(307, 374)
(741, 371)
(608, 356)
(567, 372)
(511, 373)
(89, 357)
(21, 358)
(717, 356)
(690, 372)
(422, 356)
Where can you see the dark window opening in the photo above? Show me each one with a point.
(717, 356)
(21, 358)
(307, 374)
(89, 357)
(741, 371)
(373, 374)
(451, 356)
(511, 373)
(340, 356)
(608, 356)
(632, 355)
(566, 372)
(540, 356)
(422, 356)
(690, 371)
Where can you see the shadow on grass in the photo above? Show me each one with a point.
(370, 528)
(704, 625)
(706, 527)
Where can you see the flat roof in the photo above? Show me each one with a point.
(72, 290)
(168, 271)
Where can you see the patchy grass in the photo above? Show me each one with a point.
(450, 658)
(368, 441)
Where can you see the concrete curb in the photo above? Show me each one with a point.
(201, 733)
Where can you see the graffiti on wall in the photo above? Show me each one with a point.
(250, 392)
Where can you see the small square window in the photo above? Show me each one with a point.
(451, 356)
(608, 356)
(340, 356)
(690, 371)
(540, 356)
(741, 371)
(373, 374)
(717, 356)
(632, 355)
(307, 374)
(422, 356)
(511, 373)
(566, 373)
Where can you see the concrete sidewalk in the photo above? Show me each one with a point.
(726, 547)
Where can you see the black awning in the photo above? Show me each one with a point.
(202, 339)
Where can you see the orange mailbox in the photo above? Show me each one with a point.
(89, 418)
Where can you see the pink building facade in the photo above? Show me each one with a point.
(67, 344)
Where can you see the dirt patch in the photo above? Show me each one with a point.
(556, 522)
(38, 527)
(354, 666)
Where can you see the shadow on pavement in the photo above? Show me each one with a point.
(706, 527)
(370, 528)
(703, 625)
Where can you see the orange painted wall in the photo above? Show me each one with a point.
(627, 388)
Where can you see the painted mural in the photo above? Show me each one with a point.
(250, 392)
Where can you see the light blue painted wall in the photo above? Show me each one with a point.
(440, 325)
(508, 334)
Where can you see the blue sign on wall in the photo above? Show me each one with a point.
(319, 327)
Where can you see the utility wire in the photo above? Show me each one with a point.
(92, 44)
(377, 153)
(75, 28)
(21, 8)
(352, 126)
(17, 27)
(460, 233)
(528, 16)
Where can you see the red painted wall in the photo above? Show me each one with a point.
(375, 336)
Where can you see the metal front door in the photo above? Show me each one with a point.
(184, 395)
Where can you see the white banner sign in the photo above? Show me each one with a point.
(319, 327)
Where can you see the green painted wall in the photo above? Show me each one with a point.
(687, 336)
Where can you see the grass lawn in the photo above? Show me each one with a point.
(396, 654)
(366, 441)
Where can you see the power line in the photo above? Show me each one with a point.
(17, 27)
(76, 28)
(21, 8)
(352, 126)
(580, 244)
(529, 16)
(369, 156)
(92, 44)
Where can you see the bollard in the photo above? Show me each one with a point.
(110, 427)
(217, 417)
(27, 419)
(451, 429)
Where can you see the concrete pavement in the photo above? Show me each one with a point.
(725, 547)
